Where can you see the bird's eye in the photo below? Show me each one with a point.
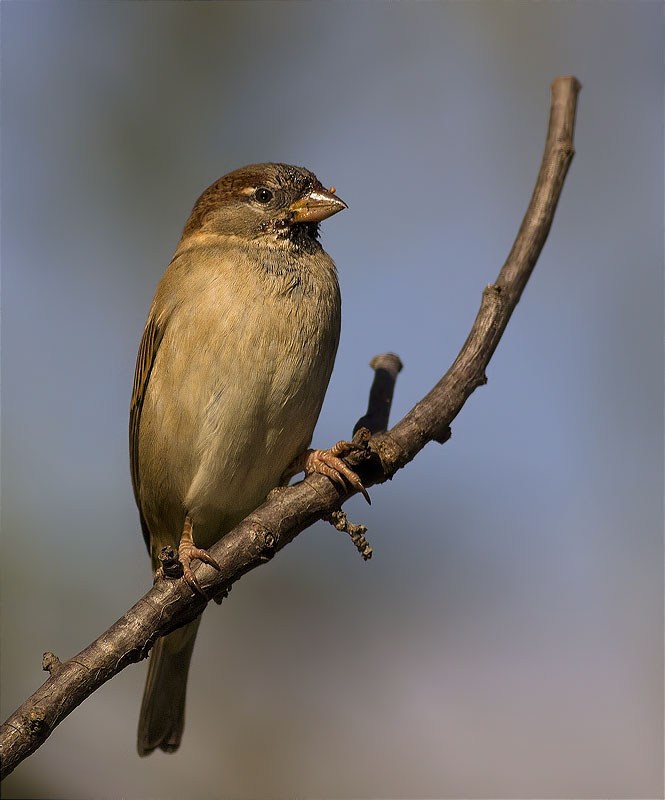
(263, 195)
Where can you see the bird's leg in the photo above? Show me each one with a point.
(188, 551)
(328, 463)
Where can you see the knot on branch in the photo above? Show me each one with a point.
(494, 296)
(264, 539)
(170, 562)
(51, 663)
(360, 440)
(391, 454)
(278, 491)
(357, 532)
(221, 595)
(441, 436)
(37, 723)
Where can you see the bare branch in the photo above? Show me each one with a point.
(171, 603)
(386, 369)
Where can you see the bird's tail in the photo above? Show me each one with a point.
(162, 717)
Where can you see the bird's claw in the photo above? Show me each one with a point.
(188, 551)
(330, 464)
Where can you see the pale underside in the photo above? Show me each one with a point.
(240, 366)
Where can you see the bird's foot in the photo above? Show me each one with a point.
(188, 551)
(330, 464)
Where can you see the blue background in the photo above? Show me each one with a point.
(506, 640)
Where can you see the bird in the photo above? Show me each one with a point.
(231, 373)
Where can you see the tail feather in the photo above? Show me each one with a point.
(162, 717)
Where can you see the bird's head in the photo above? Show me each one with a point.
(267, 203)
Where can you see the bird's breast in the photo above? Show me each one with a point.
(236, 390)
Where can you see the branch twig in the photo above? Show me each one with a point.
(386, 369)
(285, 514)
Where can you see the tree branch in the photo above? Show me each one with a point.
(386, 369)
(171, 603)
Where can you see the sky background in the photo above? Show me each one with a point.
(506, 640)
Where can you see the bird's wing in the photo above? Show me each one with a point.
(152, 336)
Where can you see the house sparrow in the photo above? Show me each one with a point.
(230, 378)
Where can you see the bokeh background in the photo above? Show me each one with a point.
(506, 640)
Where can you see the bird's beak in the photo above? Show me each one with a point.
(316, 205)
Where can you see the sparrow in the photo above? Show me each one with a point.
(230, 377)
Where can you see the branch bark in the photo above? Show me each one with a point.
(171, 603)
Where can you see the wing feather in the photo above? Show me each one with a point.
(150, 341)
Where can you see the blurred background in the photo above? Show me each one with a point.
(506, 640)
